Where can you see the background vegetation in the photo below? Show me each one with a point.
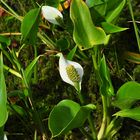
(46, 85)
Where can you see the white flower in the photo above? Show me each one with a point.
(5, 137)
(71, 72)
(51, 14)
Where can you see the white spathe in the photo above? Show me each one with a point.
(51, 13)
(63, 63)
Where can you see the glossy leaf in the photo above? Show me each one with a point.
(106, 84)
(71, 53)
(85, 34)
(113, 9)
(105, 10)
(110, 28)
(29, 69)
(100, 7)
(127, 95)
(29, 26)
(3, 95)
(133, 113)
(66, 116)
(89, 3)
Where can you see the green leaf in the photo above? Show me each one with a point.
(94, 2)
(62, 44)
(29, 70)
(29, 26)
(20, 110)
(53, 3)
(6, 53)
(100, 7)
(3, 95)
(89, 3)
(66, 116)
(16, 93)
(133, 113)
(106, 87)
(113, 127)
(71, 53)
(5, 40)
(110, 28)
(127, 95)
(12, 71)
(113, 9)
(85, 34)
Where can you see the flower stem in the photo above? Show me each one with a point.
(93, 129)
(90, 121)
(104, 120)
(95, 54)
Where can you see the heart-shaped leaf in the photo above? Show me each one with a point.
(133, 113)
(29, 26)
(127, 95)
(85, 34)
(66, 116)
(106, 84)
(3, 95)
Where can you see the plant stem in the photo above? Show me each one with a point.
(95, 54)
(46, 41)
(35, 67)
(33, 107)
(90, 121)
(104, 120)
(37, 116)
(134, 23)
(92, 127)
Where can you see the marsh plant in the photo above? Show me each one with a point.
(71, 31)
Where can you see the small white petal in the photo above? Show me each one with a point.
(5, 137)
(51, 13)
(63, 63)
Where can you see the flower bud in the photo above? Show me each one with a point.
(52, 14)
